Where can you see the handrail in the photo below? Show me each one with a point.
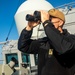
(62, 6)
(69, 24)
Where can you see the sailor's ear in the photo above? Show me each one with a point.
(61, 23)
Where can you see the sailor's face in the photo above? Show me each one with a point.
(56, 22)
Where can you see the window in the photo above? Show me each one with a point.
(25, 58)
(9, 57)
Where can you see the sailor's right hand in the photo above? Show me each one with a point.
(31, 25)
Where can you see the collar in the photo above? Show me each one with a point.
(65, 32)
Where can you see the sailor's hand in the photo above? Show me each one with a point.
(31, 25)
(44, 16)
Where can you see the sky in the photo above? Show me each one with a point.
(8, 9)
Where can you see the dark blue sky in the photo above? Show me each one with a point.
(8, 9)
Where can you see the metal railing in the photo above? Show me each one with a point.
(69, 24)
(72, 4)
(1, 61)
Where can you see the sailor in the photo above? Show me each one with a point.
(56, 52)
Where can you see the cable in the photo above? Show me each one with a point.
(10, 30)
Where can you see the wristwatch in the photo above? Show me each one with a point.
(46, 22)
